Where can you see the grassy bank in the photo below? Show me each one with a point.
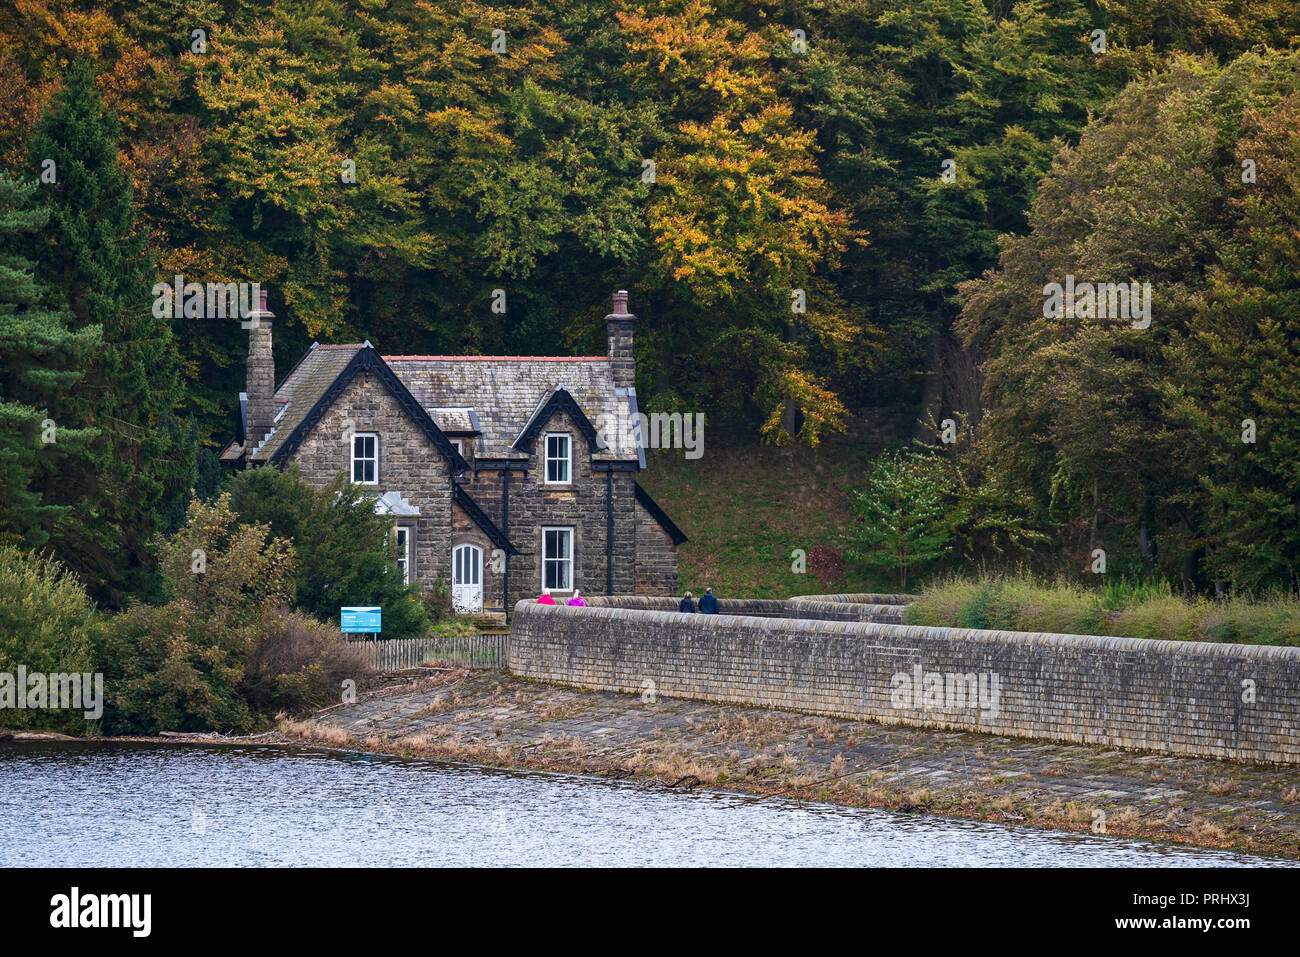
(1021, 603)
(747, 509)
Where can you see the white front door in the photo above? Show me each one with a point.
(467, 579)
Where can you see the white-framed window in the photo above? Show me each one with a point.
(468, 563)
(365, 458)
(559, 458)
(404, 552)
(557, 558)
(459, 446)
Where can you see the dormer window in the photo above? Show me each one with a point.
(559, 459)
(365, 458)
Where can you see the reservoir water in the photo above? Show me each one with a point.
(124, 804)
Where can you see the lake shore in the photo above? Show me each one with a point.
(492, 719)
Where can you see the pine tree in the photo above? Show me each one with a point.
(39, 358)
(135, 474)
(903, 519)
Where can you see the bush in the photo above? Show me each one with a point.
(299, 664)
(166, 669)
(178, 667)
(45, 624)
(1125, 609)
(346, 555)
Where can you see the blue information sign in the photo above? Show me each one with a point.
(364, 618)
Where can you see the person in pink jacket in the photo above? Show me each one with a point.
(577, 599)
(546, 598)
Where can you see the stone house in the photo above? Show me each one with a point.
(499, 472)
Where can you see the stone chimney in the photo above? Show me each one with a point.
(261, 374)
(619, 323)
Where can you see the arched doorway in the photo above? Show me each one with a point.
(467, 579)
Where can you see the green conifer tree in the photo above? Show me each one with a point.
(39, 358)
(134, 476)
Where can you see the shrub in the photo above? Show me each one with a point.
(45, 625)
(346, 555)
(178, 667)
(1126, 609)
(826, 564)
(167, 669)
(298, 664)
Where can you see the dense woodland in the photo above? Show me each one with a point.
(919, 169)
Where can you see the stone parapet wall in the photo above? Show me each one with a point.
(759, 607)
(1194, 698)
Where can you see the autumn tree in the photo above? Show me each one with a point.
(1097, 411)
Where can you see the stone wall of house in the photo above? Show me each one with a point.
(656, 557)
(408, 463)
(644, 559)
(580, 504)
(1218, 700)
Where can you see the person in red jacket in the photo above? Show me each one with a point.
(546, 598)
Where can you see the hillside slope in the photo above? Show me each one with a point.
(747, 509)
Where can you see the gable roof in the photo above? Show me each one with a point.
(301, 388)
(301, 413)
(495, 399)
(559, 400)
(659, 515)
(480, 518)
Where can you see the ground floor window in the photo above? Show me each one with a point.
(557, 558)
(404, 552)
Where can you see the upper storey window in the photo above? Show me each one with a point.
(365, 458)
(559, 459)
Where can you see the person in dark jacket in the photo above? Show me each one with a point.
(708, 604)
(688, 604)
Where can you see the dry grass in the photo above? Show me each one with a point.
(1221, 786)
(1203, 832)
(437, 706)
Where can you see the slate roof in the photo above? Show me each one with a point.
(456, 421)
(505, 392)
(495, 396)
(305, 384)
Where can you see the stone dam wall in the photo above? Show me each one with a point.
(1239, 702)
(759, 607)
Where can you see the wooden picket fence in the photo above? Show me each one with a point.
(469, 651)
